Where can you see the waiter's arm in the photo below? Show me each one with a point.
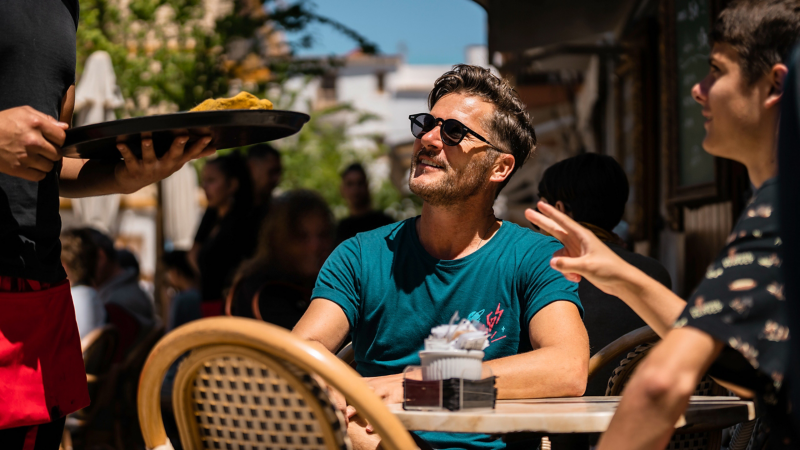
(85, 178)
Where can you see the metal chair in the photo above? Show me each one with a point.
(247, 384)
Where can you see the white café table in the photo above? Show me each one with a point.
(567, 415)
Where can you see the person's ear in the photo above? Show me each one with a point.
(561, 207)
(503, 167)
(777, 79)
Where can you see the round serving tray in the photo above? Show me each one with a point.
(229, 128)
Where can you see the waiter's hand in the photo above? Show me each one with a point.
(133, 173)
(29, 142)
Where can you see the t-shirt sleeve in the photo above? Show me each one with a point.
(541, 283)
(340, 279)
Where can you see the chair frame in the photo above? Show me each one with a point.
(275, 342)
(182, 398)
(621, 346)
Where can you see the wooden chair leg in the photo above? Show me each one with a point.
(66, 440)
(545, 443)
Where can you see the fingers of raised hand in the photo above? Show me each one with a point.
(568, 266)
(148, 152)
(545, 223)
(198, 150)
(176, 150)
(131, 161)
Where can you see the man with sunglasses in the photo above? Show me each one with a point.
(388, 287)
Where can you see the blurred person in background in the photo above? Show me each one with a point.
(185, 304)
(79, 258)
(228, 231)
(118, 285)
(593, 189)
(355, 191)
(295, 240)
(266, 169)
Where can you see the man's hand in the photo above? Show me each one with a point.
(133, 174)
(583, 255)
(29, 142)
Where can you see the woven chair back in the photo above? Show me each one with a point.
(231, 397)
(709, 440)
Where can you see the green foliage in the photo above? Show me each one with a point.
(168, 56)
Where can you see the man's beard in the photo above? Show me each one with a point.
(457, 185)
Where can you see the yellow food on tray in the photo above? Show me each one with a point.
(242, 100)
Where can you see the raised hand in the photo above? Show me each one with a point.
(583, 255)
(133, 173)
(29, 142)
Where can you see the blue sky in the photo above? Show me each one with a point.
(433, 31)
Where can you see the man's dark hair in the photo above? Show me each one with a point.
(762, 32)
(127, 260)
(509, 127)
(261, 151)
(104, 243)
(355, 167)
(178, 260)
(592, 187)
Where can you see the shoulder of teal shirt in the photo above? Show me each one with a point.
(339, 280)
(542, 284)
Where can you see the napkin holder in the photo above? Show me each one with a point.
(453, 394)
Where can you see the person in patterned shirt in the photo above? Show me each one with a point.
(736, 321)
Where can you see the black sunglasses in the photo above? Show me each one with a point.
(453, 131)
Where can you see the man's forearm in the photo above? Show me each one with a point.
(652, 301)
(85, 178)
(556, 374)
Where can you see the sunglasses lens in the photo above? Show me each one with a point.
(452, 132)
(421, 124)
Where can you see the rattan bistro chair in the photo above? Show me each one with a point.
(635, 346)
(247, 384)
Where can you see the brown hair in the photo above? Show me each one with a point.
(762, 32)
(79, 253)
(279, 227)
(509, 127)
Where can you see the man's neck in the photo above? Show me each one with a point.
(762, 158)
(453, 233)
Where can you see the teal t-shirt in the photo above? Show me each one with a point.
(393, 292)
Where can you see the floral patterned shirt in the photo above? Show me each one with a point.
(740, 302)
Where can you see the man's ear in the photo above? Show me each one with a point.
(777, 79)
(503, 167)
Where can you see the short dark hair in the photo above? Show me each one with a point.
(79, 254)
(509, 127)
(262, 150)
(104, 243)
(593, 187)
(355, 167)
(178, 260)
(762, 32)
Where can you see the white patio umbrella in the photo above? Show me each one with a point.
(96, 97)
(181, 208)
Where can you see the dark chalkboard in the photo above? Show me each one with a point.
(692, 23)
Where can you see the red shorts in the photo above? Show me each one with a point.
(42, 376)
